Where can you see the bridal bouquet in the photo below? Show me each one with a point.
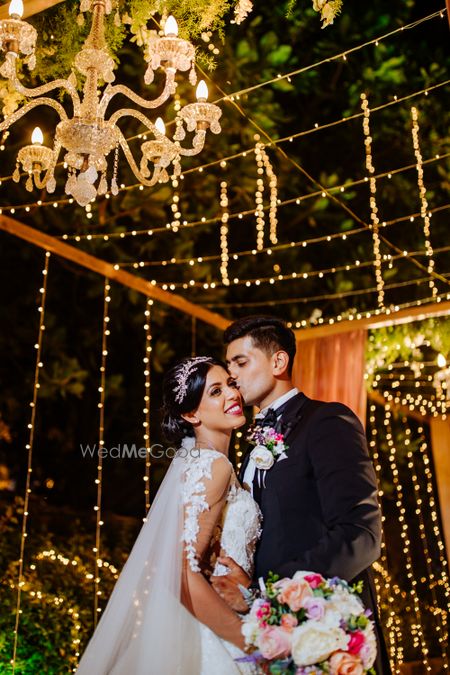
(310, 625)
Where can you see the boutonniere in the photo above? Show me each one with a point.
(269, 445)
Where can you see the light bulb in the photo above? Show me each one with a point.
(16, 8)
(37, 137)
(160, 126)
(441, 361)
(202, 91)
(171, 26)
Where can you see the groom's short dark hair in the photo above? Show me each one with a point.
(267, 332)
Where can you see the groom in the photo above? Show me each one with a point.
(319, 501)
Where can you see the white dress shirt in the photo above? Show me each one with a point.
(250, 469)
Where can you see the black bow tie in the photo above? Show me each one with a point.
(270, 419)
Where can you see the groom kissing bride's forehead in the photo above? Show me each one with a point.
(318, 496)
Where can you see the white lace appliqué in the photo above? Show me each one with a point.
(241, 530)
(198, 470)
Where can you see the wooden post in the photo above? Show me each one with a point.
(106, 269)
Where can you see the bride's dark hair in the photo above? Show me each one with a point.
(174, 427)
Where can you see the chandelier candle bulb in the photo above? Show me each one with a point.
(202, 92)
(15, 9)
(160, 126)
(37, 137)
(171, 27)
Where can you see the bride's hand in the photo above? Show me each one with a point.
(228, 586)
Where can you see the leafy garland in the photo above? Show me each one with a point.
(63, 30)
(405, 342)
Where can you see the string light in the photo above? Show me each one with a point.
(393, 628)
(341, 55)
(29, 447)
(277, 278)
(300, 199)
(405, 536)
(259, 207)
(423, 198)
(273, 203)
(175, 206)
(146, 409)
(431, 581)
(373, 200)
(224, 257)
(101, 443)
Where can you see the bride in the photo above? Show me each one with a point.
(164, 615)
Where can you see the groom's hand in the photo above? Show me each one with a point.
(228, 586)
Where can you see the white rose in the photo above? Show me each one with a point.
(250, 631)
(345, 603)
(332, 618)
(312, 642)
(262, 457)
(368, 651)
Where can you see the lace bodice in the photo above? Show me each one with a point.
(239, 524)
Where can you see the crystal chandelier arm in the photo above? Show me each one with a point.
(133, 166)
(11, 119)
(111, 91)
(45, 88)
(42, 184)
(129, 112)
(198, 143)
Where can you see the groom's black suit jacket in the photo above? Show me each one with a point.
(319, 504)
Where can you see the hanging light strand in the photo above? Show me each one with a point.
(147, 401)
(431, 578)
(384, 591)
(273, 203)
(423, 198)
(373, 200)
(224, 256)
(298, 201)
(29, 447)
(101, 444)
(259, 195)
(405, 536)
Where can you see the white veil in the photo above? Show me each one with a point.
(145, 629)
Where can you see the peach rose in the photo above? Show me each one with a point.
(274, 643)
(343, 663)
(288, 622)
(295, 593)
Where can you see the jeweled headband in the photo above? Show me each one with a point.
(183, 375)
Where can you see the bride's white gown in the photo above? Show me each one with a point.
(199, 511)
(237, 533)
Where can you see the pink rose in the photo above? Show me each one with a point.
(295, 593)
(263, 613)
(315, 608)
(357, 640)
(274, 643)
(314, 580)
(343, 663)
(288, 622)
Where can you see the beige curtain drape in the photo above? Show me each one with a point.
(332, 369)
(440, 441)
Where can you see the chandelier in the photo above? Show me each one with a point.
(89, 137)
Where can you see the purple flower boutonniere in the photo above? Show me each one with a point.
(269, 446)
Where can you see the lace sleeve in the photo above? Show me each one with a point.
(206, 483)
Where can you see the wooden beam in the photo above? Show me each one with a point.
(447, 2)
(106, 269)
(381, 320)
(30, 8)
